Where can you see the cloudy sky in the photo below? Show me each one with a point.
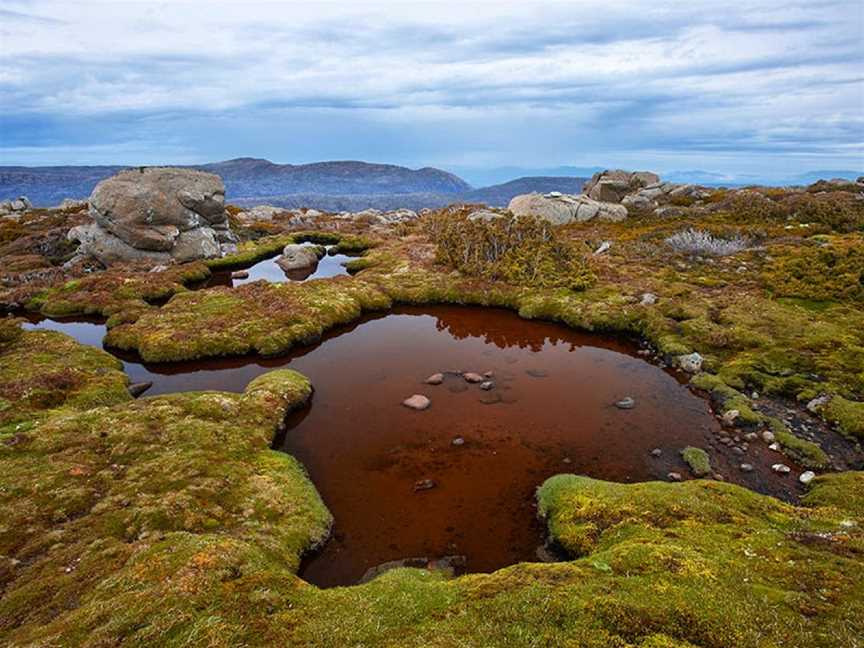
(758, 87)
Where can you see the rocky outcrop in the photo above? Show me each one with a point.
(378, 217)
(652, 196)
(159, 215)
(560, 209)
(15, 207)
(614, 185)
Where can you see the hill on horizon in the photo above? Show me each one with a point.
(332, 185)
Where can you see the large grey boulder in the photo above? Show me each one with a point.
(613, 185)
(561, 209)
(158, 214)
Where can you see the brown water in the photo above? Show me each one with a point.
(331, 265)
(551, 411)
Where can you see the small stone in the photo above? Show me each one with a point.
(487, 385)
(458, 441)
(691, 363)
(674, 476)
(567, 460)
(536, 373)
(738, 450)
(648, 299)
(730, 416)
(417, 402)
(488, 374)
(781, 469)
(818, 403)
(240, 274)
(807, 476)
(768, 436)
(746, 467)
(656, 452)
(472, 377)
(754, 395)
(719, 477)
(604, 247)
(424, 484)
(435, 379)
(626, 403)
(775, 447)
(751, 436)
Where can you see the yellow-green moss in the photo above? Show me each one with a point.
(847, 414)
(698, 461)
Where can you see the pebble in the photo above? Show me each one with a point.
(626, 403)
(719, 477)
(656, 452)
(472, 377)
(738, 450)
(567, 460)
(435, 379)
(775, 447)
(486, 386)
(536, 373)
(458, 441)
(488, 374)
(807, 476)
(674, 476)
(424, 484)
(417, 402)
(751, 436)
(746, 467)
(768, 436)
(730, 416)
(781, 469)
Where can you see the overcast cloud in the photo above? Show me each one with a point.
(748, 87)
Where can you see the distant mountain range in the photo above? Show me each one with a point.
(343, 185)
(352, 185)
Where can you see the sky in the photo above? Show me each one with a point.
(734, 88)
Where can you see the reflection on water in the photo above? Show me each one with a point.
(331, 265)
(550, 411)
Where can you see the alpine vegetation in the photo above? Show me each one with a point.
(694, 241)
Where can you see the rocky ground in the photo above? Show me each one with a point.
(168, 521)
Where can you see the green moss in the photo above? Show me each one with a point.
(847, 414)
(42, 371)
(698, 460)
(807, 453)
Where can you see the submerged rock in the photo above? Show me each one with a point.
(136, 389)
(417, 402)
(448, 565)
(435, 379)
(472, 377)
(425, 484)
(628, 402)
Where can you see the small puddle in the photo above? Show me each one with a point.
(551, 411)
(331, 265)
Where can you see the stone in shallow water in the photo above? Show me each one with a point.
(487, 385)
(435, 379)
(458, 441)
(425, 484)
(807, 476)
(674, 476)
(417, 402)
(781, 469)
(537, 373)
(626, 403)
(746, 467)
(656, 452)
(472, 377)
(240, 274)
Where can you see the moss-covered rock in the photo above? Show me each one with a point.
(698, 461)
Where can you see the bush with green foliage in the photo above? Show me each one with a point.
(524, 251)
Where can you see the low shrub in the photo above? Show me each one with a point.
(519, 250)
(832, 271)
